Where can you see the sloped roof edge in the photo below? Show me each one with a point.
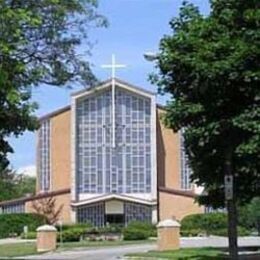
(67, 108)
(34, 197)
(107, 197)
(117, 81)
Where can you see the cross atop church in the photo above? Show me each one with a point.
(113, 66)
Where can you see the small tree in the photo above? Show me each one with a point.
(47, 208)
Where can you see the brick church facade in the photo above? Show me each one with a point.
(108, 158)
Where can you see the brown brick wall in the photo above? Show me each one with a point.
(61, 200)
(168, 167)
(60, 151)
(168, 155)
(177, 206)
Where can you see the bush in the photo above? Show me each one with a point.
(208, 224)
(114, 229)
(72, 232)
(73, 226)
(14, 223)
(205, 223)
(135, 234)
(29, 235)
(191, 232)
(71, 235)
(139, 231)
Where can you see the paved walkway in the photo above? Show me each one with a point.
(105, 253)
(14, 241)
(113, 253)
(218, 241)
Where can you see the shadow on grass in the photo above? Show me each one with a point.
(218, 257)
(197, 254)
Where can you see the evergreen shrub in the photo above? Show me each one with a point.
(13, 224)
(138, 230)
(208, 224)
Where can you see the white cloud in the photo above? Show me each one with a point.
(29, 170)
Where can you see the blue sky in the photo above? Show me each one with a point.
(135, 27)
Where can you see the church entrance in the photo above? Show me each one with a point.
(114, 212)
(115, 219)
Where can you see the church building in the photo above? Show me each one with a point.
(108, 158)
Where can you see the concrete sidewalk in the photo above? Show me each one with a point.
(15, 241)
(219, 242)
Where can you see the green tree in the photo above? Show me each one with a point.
(13, 185)
(210, 65)
(7, 185)
(38, 41)
(25, 185)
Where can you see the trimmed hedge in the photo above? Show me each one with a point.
(208, 224)
(72, 235)
(72, 226)
(29, 235)
(12, 224)
(138, 230)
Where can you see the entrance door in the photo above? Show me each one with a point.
(115, 219)
(114, 212)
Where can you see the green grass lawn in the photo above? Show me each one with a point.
(182, 254)
(18, 249)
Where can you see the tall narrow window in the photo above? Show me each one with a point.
(44, 156)
(185, 169)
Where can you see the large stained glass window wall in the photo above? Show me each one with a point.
(102, 168)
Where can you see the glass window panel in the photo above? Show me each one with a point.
(132, 143)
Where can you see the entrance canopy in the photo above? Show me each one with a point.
(114, 209)
(107, 197)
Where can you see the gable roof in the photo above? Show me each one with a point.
(101, 85)
(108, 82)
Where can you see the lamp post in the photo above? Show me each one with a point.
(151, 56)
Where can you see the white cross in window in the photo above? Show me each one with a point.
(113, 66)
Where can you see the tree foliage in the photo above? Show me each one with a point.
(7, 185)
(38, 41)
(210, 66)
(13, 185)
(249, 214)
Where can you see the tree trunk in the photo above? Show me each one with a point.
(232, 213)
(258, 226)
(232, 229)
